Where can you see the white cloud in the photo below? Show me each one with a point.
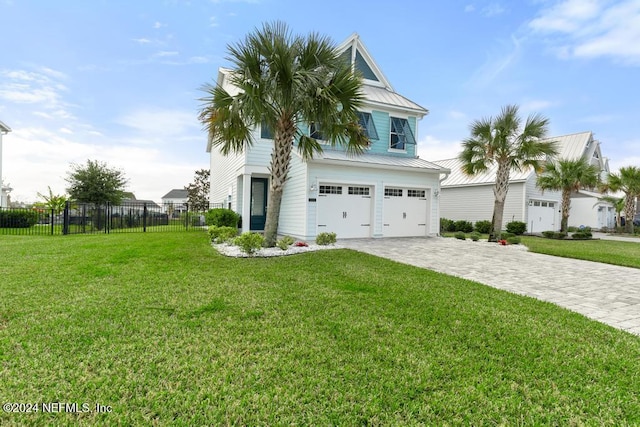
(592, 28)
(213, 21)
(469, 8)
(158, 25)
(142, 40)
(164, 54)
(157, 124)
(431, 148)
(39, 88)
(493, 9)
(498, 63)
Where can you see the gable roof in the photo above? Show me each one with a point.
(572, 146)
(176, 193)
(376, 87)
(4, 128)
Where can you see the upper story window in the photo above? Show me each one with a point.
(366, 122)
(314, 131)
(265, 131)
(401, 134)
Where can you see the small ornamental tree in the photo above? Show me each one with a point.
(198, 191)
(56, 202)
(95, 182)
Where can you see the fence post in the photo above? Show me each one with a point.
(107, 217)
(186, 216)
(52, 221)
(144, 218)
(65, 219)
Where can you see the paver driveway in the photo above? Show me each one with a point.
(607, 293)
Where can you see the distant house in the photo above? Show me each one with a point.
(386, 192)
(471, 198)
(130, 199)
(175, 202)
(4, 190)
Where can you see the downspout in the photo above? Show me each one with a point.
(446, 175)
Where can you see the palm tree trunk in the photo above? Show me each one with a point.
(279, 168)
(629, 213)
(566, 206)
(500, 190)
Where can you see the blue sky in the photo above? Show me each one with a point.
(119, 81)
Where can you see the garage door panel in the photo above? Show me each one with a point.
(541, 216)
(405, 212)
(344, 210)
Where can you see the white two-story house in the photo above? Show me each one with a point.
(386, 192)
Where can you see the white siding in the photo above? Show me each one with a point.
(475, 203)
(293, 216)
(534, 193)
(224, 170)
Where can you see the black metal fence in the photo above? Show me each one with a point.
(84, 218)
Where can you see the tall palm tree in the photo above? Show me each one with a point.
(505, 142)
(567, 176)
(627, 181)
(285, 81)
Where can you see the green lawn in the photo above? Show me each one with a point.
(167, 332)
(608, 251)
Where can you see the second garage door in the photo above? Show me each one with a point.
(542, 216)
(344, 210)
(405, 212)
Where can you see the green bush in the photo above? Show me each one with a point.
(249, 242)
(504, 235)
(514, 240)
(517, 227)
(460, 235)
(464, 226)
(18, 219)
(572, 229)
(446, 225)
(483, 227)
(222, 217)
(554, 234)
(475, 236)
(285, 242)
(582, 235)
(324, 239)
(222, 234)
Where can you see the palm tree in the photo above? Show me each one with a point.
(618, 204)
(285, 81)
(567, 176)
(627, 181)
(504, 142)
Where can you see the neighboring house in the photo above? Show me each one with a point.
(175, 201)
(4, 190)
(387, 191)
(471, 198)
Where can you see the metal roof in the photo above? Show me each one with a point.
(374, 160)
(458, 178)
(4, 128)
(176, 194)
(380, 95)
(571, 146)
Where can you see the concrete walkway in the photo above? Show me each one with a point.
(603, 292)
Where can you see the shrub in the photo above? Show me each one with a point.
(222, 234)
(475, 236)
(324, 239)
(285, 242)
(18, 219)
(514, 240)
(446, 225)
(249, 242)
(517, 227)
(460, 235)
(582, 235)
(464, 226)
(572, 229)
(222, 217)
(483, 227)
(504, 235)
(554, 234)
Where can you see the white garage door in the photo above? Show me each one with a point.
(542, 216)
(405, 212)
(344, 210)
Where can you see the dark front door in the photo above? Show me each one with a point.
(259, 187)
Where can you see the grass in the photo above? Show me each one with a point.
(626, 254)
(166, 331)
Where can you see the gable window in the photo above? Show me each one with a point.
(366, 122)
(265, 131)
(401, 134)
(314, 131)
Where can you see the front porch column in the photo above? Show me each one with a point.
(246, 202)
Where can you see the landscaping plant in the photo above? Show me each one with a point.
(324, 239)
(249, 242)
